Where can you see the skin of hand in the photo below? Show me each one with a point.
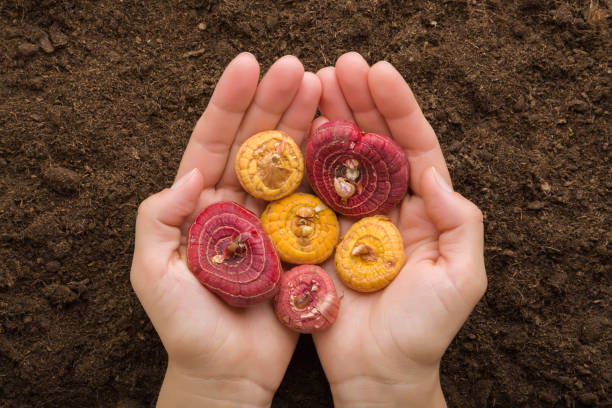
(218, 355)
(385, 347)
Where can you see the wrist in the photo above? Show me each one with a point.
(185, 388)
(366, 391)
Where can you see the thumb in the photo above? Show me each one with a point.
(461, 232)
(159, 219)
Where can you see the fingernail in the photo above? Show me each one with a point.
(183, 179)
(245, 53)
(385, 63)
(441, 182)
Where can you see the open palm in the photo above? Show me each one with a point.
(205, 339)
(392, 340)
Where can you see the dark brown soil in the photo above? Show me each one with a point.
(97, 101)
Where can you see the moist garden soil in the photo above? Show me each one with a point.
(97, 101)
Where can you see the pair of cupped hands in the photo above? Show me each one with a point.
(385, 347)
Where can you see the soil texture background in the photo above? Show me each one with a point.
(98, 99)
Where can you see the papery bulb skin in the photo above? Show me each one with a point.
(370, 255)
(357, 174)
(269, 165)
(229, 252)
(307, 301)
(303, 229)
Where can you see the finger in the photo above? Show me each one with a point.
(272, 98)
(352, 74)
(461, 234)
(333, 104)
(297, 120)
(408, 125)
(209, 146)
(160, 216)
(321, 120)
